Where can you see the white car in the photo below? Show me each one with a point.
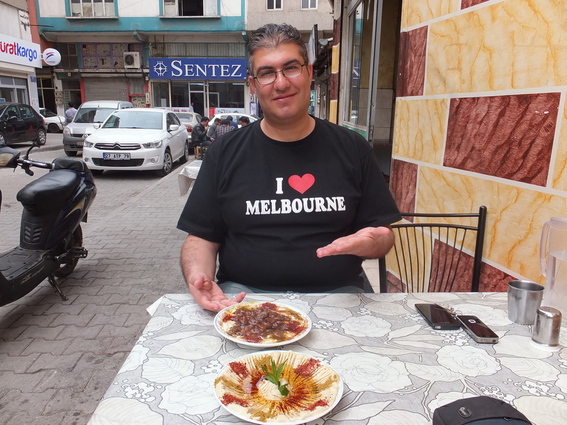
(137, 139)
(53, 122)
(189, 119)
(235, 116)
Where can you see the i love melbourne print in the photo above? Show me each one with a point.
(300, 204)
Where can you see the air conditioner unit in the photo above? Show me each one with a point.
(131, 60)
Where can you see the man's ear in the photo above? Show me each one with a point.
(252, 83)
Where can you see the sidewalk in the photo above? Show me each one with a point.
(57, 358)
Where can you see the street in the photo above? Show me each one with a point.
(58, 358)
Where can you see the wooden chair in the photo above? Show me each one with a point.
(429, 254)
(200, 152)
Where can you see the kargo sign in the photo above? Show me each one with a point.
(21, 52)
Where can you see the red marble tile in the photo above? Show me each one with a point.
(503, 136)
(411, 62)
(470, 3)
(403, 183)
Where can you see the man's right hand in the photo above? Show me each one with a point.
(210, 296)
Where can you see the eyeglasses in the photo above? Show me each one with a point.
(290, 71)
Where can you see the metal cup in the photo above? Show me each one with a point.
(524, 298)
(547, 326)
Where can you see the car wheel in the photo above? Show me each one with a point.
(167, 164)
(185, 157)
(70, 153)
(41, 137)
(2, 139)
(53, 128)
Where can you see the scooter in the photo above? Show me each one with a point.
(51, 238)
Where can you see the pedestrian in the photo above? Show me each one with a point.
(199, 133)
(70, 112)
(231, 122)
(243, 121)
(288, 203)
(223, 128)
(212, 128)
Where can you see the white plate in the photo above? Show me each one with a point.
(228, 310)
(322, 388)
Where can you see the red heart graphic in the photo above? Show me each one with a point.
(301, 184)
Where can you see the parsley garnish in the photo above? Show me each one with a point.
(275, 375)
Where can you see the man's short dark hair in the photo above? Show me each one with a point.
(271, 36)
(204, 119)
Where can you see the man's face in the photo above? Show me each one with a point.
(286, 99)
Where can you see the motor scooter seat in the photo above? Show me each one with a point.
(49, 192)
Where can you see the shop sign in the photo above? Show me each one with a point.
(21, 52)
(198, 68)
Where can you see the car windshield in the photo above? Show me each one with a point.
(185, 117)
(134, 119)
(90, 115)
(47, 113)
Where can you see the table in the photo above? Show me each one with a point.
(396, 369)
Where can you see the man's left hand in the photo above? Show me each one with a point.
(370, 242)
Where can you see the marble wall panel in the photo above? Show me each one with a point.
(469, 3)
(559, 173)
(503, 46)
(417, 12)
(411, 62)
(504, 136)
(403, 184)
(420, 128)
(515, 214)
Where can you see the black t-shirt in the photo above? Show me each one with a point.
(271, 204)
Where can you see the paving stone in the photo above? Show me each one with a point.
(44, 346)
(19, 363)
(14, 347)
(73, 319)
(47, 361)
(80, 332)
(44, 333)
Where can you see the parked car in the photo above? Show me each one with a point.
(189, 119)
(137, 139)
(235, 116)
(89, 113)
(54, 122)
(20, 123)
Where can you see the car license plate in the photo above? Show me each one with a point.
(108, 155)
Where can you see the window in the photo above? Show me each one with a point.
(106, 55)
(190, 7)
(92, 8)
(26, 111)
(274, 4)
(309, 4)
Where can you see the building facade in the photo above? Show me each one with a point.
(20, 56)
(165, 53)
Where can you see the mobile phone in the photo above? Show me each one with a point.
(477, 329)
(438, 317)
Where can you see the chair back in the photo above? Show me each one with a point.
(435, 253)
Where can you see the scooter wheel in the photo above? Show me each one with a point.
(76, 240)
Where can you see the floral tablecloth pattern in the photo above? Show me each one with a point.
(396, 369)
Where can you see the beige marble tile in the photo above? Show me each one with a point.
(515, 215)
(507, 45)
(559, 176)
(420, 128)
(420, 11)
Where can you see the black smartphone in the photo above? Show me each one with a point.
(477, 329)
(438, 317)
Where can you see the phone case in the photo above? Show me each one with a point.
(438, 317)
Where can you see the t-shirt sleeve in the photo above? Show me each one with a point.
(377, 206)
(201, 215)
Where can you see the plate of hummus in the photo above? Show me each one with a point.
(262, 324)
(282, 387)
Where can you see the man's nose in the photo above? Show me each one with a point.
(281, 80)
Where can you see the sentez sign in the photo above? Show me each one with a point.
(198, 68)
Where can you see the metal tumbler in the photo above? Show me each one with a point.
(524, 298)
(547, 326)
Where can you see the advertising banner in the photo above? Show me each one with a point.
(197, 69)
(21, 52)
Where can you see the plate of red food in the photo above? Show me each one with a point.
(281, 387)
(262, 324)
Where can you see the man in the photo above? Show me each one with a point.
(223, 128)
(243, 121)
(289, 202)
(213, 128)
(199, 133)
(70, 113)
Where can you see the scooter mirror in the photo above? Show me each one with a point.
(9, 157)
